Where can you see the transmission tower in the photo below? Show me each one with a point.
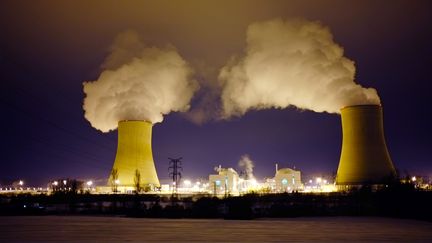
(174, 169)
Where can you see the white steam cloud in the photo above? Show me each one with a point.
(246, 166)
(138, 83)
(291, 63)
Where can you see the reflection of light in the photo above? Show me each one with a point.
(413, 178)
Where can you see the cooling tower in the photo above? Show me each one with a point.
(364, 157)
(134, 152)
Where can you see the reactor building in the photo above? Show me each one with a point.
(364, 158)
(134, 159)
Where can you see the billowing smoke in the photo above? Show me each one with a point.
(138, 83)
(246, 166)
(291, 63)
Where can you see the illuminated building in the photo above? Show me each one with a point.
(364, 158)
(134, 158)
(287, 180)
(225, 182)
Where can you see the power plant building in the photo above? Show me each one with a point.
(287, 180)
(225, 182)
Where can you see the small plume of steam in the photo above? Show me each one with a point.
(217, 168)
(138, 83)
(246, 166)
(291, 63)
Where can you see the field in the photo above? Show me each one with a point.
(121, 229)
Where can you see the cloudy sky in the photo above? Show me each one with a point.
(49, 48)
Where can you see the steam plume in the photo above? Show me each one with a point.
(291, 63)
(138, 83)
(246, 165)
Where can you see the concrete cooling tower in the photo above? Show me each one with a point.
(364, 157)
(134, 153)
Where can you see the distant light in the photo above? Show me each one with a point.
(117, 181)
(21, 182)
(64, 182)
(310, 181)
(187, 183)
(325, 181)
(55, 183)
(318, 180)
(413, 178)
(89, 183)
(284, 181)
(218, 182)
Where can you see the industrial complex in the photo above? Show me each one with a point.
(364, 160)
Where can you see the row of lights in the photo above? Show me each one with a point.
(319, 180)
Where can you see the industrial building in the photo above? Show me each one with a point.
(225, 182)
(287, 180)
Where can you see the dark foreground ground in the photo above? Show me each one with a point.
(119, 229)
(399, 201)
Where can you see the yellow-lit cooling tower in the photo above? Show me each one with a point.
(364, 157)
(134, 153)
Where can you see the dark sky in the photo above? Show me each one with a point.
(48, 48)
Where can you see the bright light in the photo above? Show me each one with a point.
(187, 183)
(310, 181)
(413, 178)
(89, 183)
(117, 181)
(21, 183)
(318, 180)
(325, 181)
(55, 183)
(64, 182)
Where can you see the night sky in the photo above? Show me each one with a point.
(49, 48)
